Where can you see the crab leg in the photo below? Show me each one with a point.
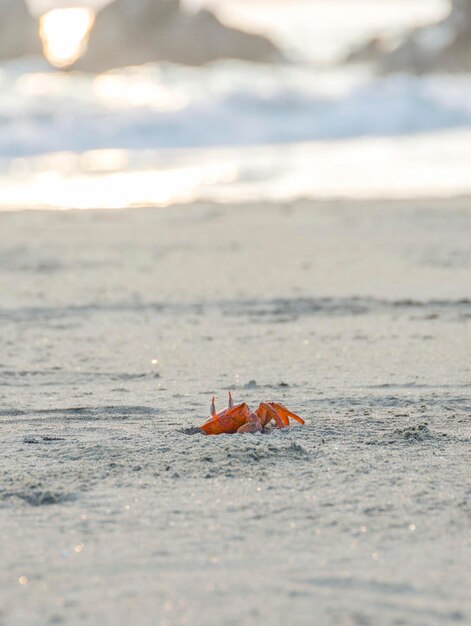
(286, 413)
(266, 409)
(280, 414)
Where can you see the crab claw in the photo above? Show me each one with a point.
(253, 425)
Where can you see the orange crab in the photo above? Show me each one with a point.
(240, 419)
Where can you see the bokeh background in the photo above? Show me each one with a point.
(154, 102)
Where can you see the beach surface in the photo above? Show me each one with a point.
(117, 327)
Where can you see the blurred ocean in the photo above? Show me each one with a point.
(159, 134)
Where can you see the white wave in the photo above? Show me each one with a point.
(156, 107)
(157, 135)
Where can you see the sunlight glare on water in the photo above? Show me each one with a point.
(132, 88)
(106, 186)
(64, 34)
(435, 166)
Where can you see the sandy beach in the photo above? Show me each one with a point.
(117, 327)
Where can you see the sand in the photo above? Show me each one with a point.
(115, 330)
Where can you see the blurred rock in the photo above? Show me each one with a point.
(373, 50)
(442, 47)
(132, 32)
(18, 30)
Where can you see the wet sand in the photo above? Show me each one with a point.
(115, 330)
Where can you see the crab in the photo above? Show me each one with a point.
(240, 419)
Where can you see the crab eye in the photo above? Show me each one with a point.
(230, 402)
